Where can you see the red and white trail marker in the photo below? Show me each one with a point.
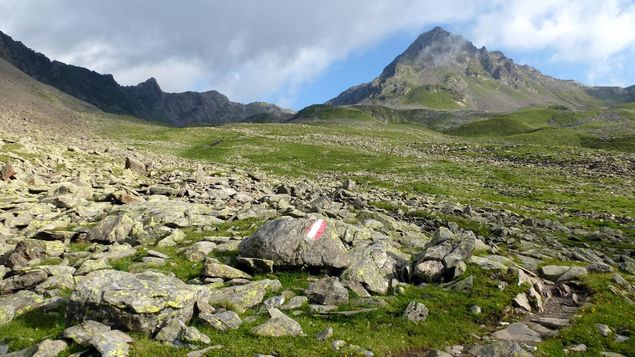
(315, 230)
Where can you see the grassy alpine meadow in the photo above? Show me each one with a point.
(546, 163)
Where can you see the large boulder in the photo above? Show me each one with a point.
(373, 266)
(297, 242)
(112, 229)
(133, 302)
(444, 257)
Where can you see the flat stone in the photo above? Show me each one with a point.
(279, 325)
(295, 302)
(518, 332)
(572, 274)
(242, 297)
(553, 272)
(222, 321)
(551, 322)
(214, 269)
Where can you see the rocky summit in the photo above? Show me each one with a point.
(359, 237)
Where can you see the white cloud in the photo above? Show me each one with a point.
(580, 30)
(246, 49)
(251, 50)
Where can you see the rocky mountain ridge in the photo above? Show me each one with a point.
(145, 100)
(440, 70)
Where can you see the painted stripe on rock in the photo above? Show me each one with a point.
(316, 230)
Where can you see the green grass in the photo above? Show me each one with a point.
(329, 113)
(383, 331)
(431, 97)
(28, 329)
(531, 172)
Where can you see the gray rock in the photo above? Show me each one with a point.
(23, 281)
(522, 301)
(518, 332)
(135, 165)
(553, 272)
(438, 353)
(500, 349)
(429, 271)
(603, 329)
(241, 297)
(373, 267)
(279, 325)
(551, 322)
(572, 274)
(578, 348)
(112, 343)
(136, 302)
(222, 321)
(295, 302)
(290, 242)
(204, 351)
(19, 303)
(274, 301)
(599, 268)
(192, 335)
(92, 265)
(460, 285)
(441, 235)
(215, 269)
(112, 229)
(327, 291)
(7, 172)
(50, 348)
(255, 265)
(198, 251)
(178, 334)
(325, 334)
(338, 345)
(171, 332)
(416, 312)
(29, 250)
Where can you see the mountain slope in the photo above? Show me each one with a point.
(27, 105)
(145, 100)
(444, 71)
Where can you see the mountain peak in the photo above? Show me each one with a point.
(441, 70)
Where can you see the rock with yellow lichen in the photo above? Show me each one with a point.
(134, 302)
(242, 297)
(373, 267)
(109, 343)
(279, 325)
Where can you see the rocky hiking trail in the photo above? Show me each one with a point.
(112, 251)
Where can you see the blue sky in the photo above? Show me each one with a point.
(299, 52)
